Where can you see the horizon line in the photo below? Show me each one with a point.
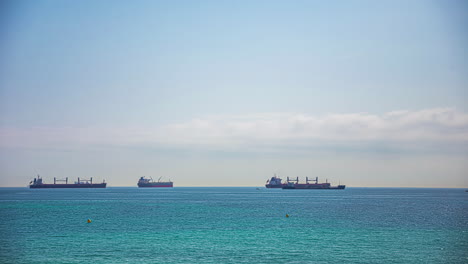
(186, 186)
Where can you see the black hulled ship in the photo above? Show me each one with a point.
(37, 183)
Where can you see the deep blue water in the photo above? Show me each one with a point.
(233, 225)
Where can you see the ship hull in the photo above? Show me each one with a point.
(314, 187)
(275, 185)
(68, 186)
(156, 185)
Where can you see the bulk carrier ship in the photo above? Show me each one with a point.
(276, 182)
(37, 183)
(311, 184)
(144, 182)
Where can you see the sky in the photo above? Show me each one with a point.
(229, 93)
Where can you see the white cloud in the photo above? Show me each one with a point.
(269, 131)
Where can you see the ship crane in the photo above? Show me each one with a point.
(61, 180)
(85, 180)
(297, 180)
(316, 180)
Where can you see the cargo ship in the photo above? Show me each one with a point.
(37, 183)
(311, 184)
(275, 182)
(145, 182)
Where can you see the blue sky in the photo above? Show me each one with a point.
(230, 92)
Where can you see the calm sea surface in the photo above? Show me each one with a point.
(233, 225)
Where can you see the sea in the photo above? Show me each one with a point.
(233, 225)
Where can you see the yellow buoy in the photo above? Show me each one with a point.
(89, 220)
(287, 215)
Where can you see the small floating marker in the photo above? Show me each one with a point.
(89, 220)
(287, 215)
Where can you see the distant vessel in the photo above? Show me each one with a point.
(144, 182)
(83, 183)
(312, 184)
(275, 182)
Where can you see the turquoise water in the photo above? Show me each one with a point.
(233, 225)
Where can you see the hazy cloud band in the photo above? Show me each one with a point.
(271, 130)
